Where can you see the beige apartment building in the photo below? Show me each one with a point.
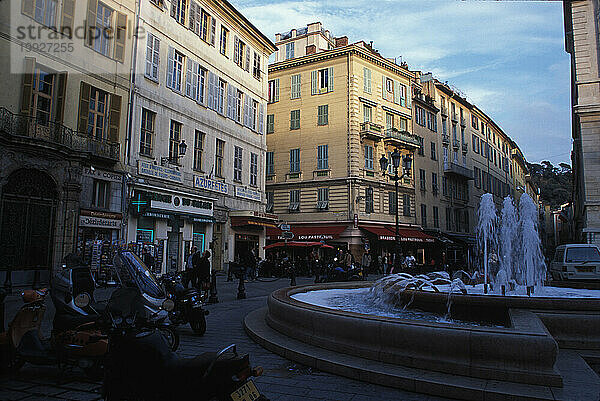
(464, 155)
(581, 42)
(63, 106)
(334, 110)
(196, 151)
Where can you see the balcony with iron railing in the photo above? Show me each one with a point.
(455, 143)
(465, 147)
(458, 170)
(444, 110)
(371, 130)
(21, 126)
(454, 117)
(445, 139)
(402, 139)
(463, 122)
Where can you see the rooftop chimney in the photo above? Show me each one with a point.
(341, 41)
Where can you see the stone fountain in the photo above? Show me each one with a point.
(497, 334)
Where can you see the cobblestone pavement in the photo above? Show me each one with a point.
(282, 379)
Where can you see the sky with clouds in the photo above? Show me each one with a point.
(507, 57)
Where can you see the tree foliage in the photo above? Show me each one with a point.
(555, 183)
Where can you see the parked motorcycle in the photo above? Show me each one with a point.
(132, 273)
(77, 343)
(336, 272)
(188, 303)
(141, 366)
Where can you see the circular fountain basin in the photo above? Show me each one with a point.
(499, 339)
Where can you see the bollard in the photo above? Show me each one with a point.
(2, 296)
(8, 281)
(528, 291)
(292, 276)
(503, 290)
(213, 299)
(229, 273)
(241, 289)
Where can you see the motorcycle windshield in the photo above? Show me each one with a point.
(133, 272)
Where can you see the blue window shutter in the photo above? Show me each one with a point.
(170, 67)
(210, 91)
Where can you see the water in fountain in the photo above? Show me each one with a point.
(508, 245)
(532, 266)
(486, 232)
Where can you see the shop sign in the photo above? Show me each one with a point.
(98, 219)
(247, 193)
(211, 185)
(158, 171)
(142, 200)
(102, 174)
(157, 215)
(264, 215)
(315, 237)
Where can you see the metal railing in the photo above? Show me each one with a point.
(444, 110)
(456, 143)
(458, 170)
(465, 147)
(371, 129)
(463, 122)
(21, 125)
(454, 116)
(403, 136)
(445, 139)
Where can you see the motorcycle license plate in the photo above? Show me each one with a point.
(585, 269)
(248, 392)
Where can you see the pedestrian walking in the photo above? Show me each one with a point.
(366, 263)
(188, 274)
(204, 273)
(196, 265)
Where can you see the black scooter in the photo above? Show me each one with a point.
(140, 365)
(188, 304)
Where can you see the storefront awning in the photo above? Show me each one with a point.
(308, 233)
(388, 233)
(250, 221)
(298, 244)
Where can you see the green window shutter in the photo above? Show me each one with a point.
(383, 89)
(27, 90)
(67, 14)
(121, 37)
(247, 58)
(236, 50)
(330, 83)
(276, 90)
(60, 97)
(396, 92)
(84, 106)
(114, 118)
(173, 8)
(408, 96)
(27, 7)
(314, 89)
(91, 21)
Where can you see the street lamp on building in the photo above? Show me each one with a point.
(181, 149)
(406, 169)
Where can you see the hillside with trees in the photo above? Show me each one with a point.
(555, 183)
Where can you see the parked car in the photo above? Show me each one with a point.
(576, 262)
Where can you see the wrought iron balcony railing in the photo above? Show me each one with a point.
(20, 125)
(445, 139)
(402, 138)
(458, 170)
(371, 131)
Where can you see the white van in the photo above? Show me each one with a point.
(576, 262)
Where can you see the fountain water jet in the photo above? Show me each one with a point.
(486, 231)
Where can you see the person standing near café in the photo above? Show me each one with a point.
(203, 273)
(188, 274)
(366, 263)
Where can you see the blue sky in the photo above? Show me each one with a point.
(507, 57)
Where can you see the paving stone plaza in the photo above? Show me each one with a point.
(282, 379)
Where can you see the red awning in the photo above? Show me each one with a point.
(308, 233)
(388, 233)
(303, 244)
(249, 221)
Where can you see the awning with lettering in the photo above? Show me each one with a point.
(388, 233)
(250, 221)
(308, 233)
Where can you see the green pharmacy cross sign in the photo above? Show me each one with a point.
(140, 203)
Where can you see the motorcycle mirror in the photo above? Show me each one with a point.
(168, 305)
(82, 300)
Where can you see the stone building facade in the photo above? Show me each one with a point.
(196, 150)
(64, 96)
(582, 43)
